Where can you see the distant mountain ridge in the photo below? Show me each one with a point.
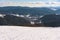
(35, 16)
(35, 11)
(26, 10)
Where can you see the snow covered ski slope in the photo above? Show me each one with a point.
(29, 33)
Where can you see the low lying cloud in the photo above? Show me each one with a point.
(40, 4)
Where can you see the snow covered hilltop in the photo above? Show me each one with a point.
(29, 33)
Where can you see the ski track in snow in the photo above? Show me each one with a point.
(29, 33)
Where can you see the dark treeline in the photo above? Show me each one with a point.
(13, 20)
(47, 21)
(51, 20)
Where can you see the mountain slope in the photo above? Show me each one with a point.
(26, 10)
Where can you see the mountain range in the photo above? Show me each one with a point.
(28, 10)
(46, 16)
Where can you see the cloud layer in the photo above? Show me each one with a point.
(37, 4)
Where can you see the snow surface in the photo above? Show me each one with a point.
(29, 33)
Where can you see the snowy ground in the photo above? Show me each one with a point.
(29, 33)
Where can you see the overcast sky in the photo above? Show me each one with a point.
(29, 0)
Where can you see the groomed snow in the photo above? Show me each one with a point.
(29, 33)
